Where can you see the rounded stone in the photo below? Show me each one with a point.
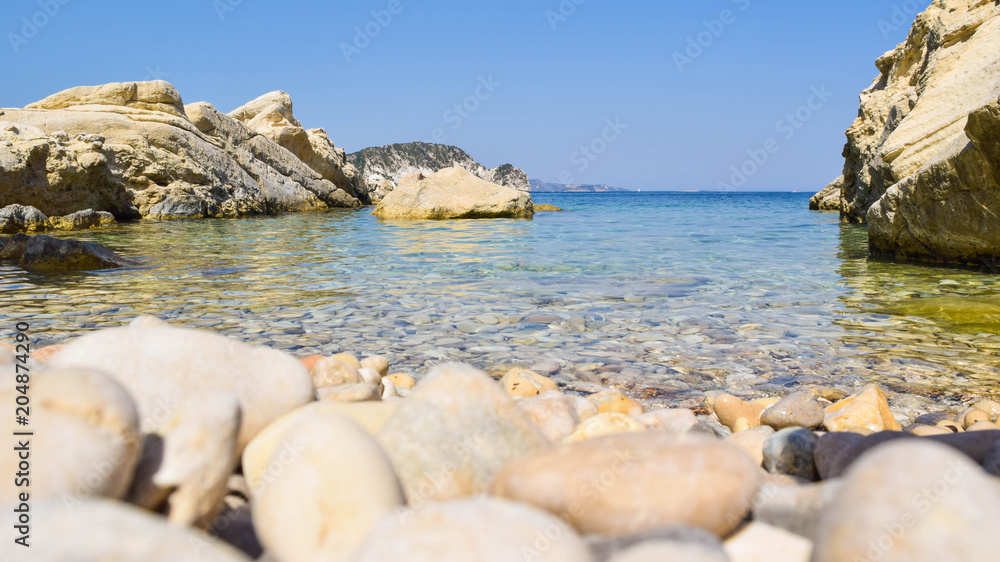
(402, 380)
(676, 420)
(660, 550)
(752, 442)
(605, 424)
(377, 363)
(791, 451)
(525, 384)
(331, 371)
(614, 401)
(553, 413)
(481, 529)
(991, 407)
(100, 530)
(992, 461)
(867, 409)
(161, 365)
(87, 435)
(329, 485)
(452, 434)
(348, 358)
(799, 409)
(636, 482)
(912, 500)
(370, 416)
(358, 392)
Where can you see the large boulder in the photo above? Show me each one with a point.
(47, 254)
(384, 166)
(947, 210)
(918, 107)
(138, 151)
(453, 193)
(829, 198)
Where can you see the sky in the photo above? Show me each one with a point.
(664, 94)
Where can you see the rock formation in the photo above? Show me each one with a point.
(921, 163)
(453, 193)
(384, 166)
(135, 150)
(48, 254)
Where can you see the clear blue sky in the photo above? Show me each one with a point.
(555, 81)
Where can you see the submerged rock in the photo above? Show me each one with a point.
(47, 254)
(453, 193)
(82, 220)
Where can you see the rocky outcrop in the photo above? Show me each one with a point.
(453, 193)
(948, 210)
(383, 167)
(271, 115)
(47, 254)
(138, 151)
(917, 168)
(919, 105)
(829, 198)
(19, 218)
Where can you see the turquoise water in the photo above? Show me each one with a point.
(667, 293)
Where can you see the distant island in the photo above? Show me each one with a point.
(539, 186)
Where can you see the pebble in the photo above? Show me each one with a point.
(553, 413)
(161, 365)
(452, 434)
(912, 500)
(89, 436)
(752, 442)
(636, 482)
(605, 424)
(799, 409)
(790, 451)
(675, 420)
(402, 380)
(867, 409)
(315, 506)
(975, 445)
(660, 550)
(186, 476)
(794, 507)
(378, 363)
(760, 542)
(104, 530)
(525, 384)
(614, 401)
(480, 529)
(331, 371)
(992, 460)
(730, 409)
(348, 358)
(358, 392)
(991, 407)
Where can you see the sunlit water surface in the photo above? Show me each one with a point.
(668, 293)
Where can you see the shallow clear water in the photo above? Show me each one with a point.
(668, 293)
